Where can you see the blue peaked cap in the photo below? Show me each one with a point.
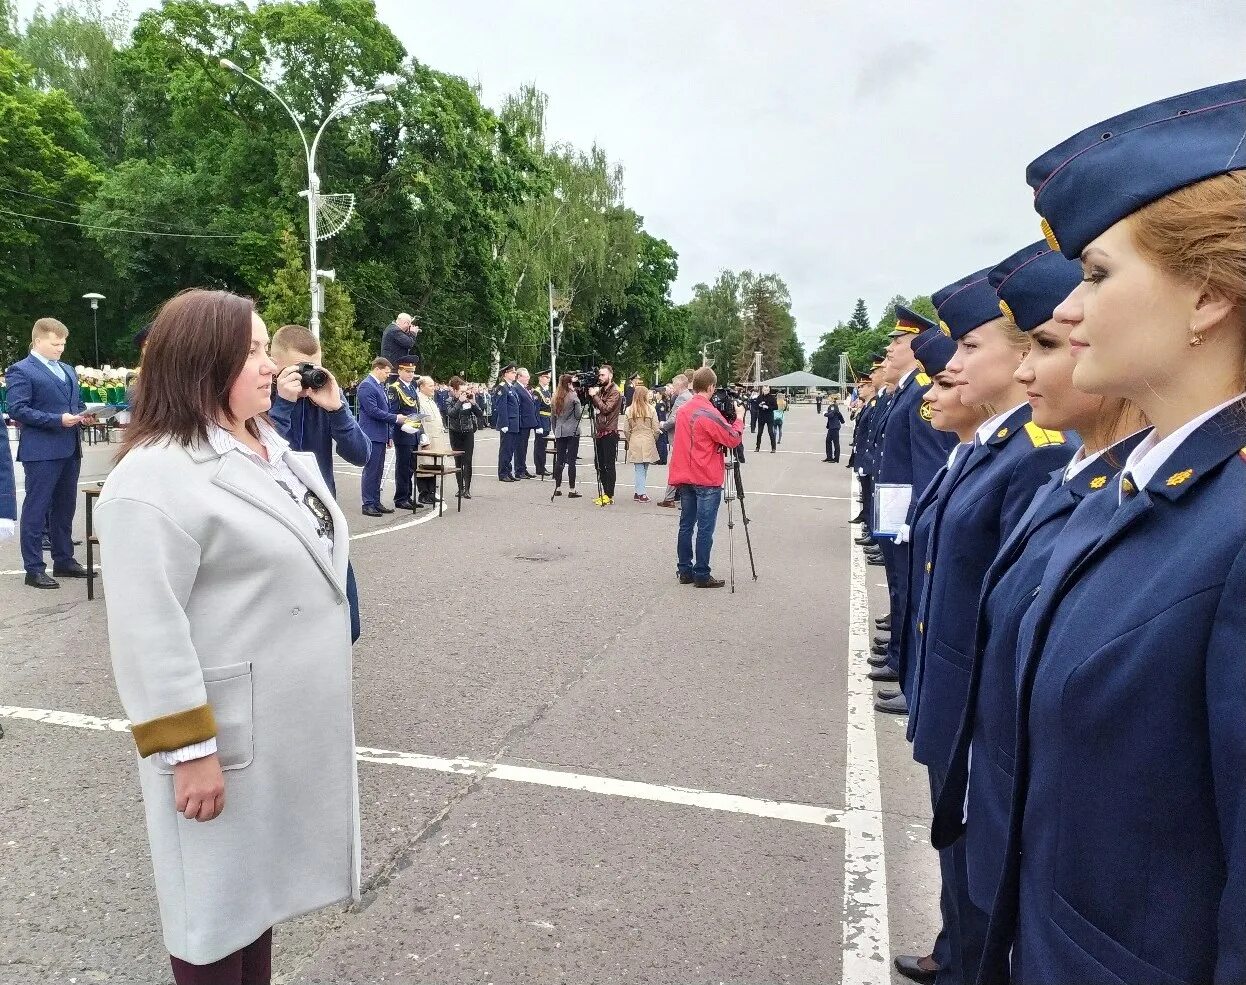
(1032, 282)
(1090, 182)
(966, 304)
(933, 351)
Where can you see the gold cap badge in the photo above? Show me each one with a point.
(1007, 311)
(1049, 235)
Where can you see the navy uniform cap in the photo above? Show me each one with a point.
(909, 322)
(933, 351)
(506, 368)
(1090, 182)
(406, 362)
(966, 304)
(1032, 282)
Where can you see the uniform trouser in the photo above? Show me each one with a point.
(766, 424)
(51, 497)
(506, 453)
(372, 473)
(521, 451)
(540, 449)
(464, 441)
(404, 471)
(607, 453)
(867, 500)
(963, 937)
(832, 445)
(897, 558)
(664, 447)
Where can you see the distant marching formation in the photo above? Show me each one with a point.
(1054, 477)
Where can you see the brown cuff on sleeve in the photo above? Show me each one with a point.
(174, 731)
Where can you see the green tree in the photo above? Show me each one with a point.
(860, 320)
(44, 263)
(640, 331)
(284, 300)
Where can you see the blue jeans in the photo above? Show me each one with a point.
(698, 507)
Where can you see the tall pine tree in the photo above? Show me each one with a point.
(860, 320)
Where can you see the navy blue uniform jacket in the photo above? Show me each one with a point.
(37, 399)
(506, 408)
(1130, 799)
(976, 511)
(311, 428)
(990, 719)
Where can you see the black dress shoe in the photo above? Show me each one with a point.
(882, 640)
(404, 504)
(71, 570)
(883, 621)
(372, 511)
(385, 509)
(897, 705)
(877, 660)
(858, 518)
(710, 582)
(40, 579)
(866, 541)
(911, 967)
(884, 675)
(507, 478)
(466, 494)
(877, 562)
(685, 579)
(878, 649)
(887, 693)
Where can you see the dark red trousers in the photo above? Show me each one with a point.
(253, 965)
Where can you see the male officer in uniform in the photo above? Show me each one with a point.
(527, 424)
(44, 399)
(404, 398)
(506, 420)
(544, 398)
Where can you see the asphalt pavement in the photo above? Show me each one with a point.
(572, 768)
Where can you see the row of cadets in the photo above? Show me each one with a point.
(506, 419)
(864, 440)
(911, 453)
(1031, 284)
(980, 499)
(1125, 858)
(404, 400)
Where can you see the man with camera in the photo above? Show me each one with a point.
(310, 412)
(398, 340)
(702, 435)
(608, 401)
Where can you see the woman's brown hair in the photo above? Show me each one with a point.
(198, 344)
(639, 407)
(1198, 234)
(563, 392)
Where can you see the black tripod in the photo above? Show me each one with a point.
(733, 489)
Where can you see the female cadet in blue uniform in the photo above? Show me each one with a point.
(1030, 285)
(1126, 859)
(979, 503)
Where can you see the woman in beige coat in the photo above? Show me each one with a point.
(640, 423)
(225, 572)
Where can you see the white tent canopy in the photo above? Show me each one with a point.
(800, 378)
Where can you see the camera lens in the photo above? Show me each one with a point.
(312, 377)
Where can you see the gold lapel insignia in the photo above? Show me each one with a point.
(1098, 482)
(926, 411)
(1179, 477)
(1001, 433)
(1127, 487)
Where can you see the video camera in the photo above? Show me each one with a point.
(724, 400)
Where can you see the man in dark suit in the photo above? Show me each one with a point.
(377, 421)
(834, 422)
(398, 342)
(44, 399)
(527, 423)
(8, 489)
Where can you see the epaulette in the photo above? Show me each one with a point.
(923, 379)
(1041, 437)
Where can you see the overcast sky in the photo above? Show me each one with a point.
(854, 149)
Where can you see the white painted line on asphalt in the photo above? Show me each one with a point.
(607, 786)
(866, 937)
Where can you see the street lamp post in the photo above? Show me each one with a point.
(705, 361)
(95, 300)
(348, 103)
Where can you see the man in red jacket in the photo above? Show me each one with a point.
(701, 436)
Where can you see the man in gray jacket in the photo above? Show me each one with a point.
(682, 394)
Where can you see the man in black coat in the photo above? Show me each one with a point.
(834, 421)
(767, 404)
(398, 341)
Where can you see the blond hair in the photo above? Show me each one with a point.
(1197, 234)
(639, 407)
(294, 340)
(48, 326)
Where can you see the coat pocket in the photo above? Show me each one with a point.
(230, 697)
(1113, 957)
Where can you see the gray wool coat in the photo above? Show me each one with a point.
(218, 594)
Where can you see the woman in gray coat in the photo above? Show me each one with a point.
(567, 413)
(225, 567)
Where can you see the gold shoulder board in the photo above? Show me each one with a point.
(923, 379)
(1040, 437)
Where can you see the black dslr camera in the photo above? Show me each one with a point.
(724, 400)
(312, 377)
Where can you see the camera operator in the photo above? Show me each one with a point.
(701, 436)
(316, 419)
(608, 401)
(398, 341)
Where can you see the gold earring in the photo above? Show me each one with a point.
(1196, 340)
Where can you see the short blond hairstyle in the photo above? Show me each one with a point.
(48, 326)
(295, 340)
